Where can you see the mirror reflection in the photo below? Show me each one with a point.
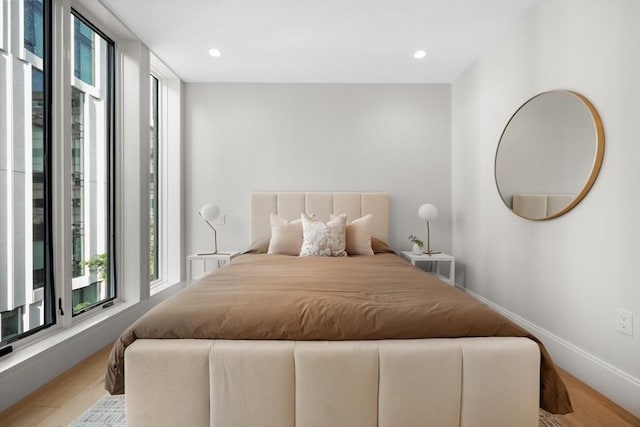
(549, 155)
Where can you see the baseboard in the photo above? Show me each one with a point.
(615, 384)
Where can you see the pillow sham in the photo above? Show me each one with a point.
(286, 237)
(261, 246)
(358, 236)
(320, 239)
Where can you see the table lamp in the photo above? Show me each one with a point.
(428, 212)
(210, 213)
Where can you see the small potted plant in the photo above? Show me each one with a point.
(418, 244)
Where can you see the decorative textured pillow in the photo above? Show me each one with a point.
(358, 236)
(286, 237)
(320, 239)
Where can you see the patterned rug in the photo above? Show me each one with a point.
(549, 420)
(106, 412)
(109, 412)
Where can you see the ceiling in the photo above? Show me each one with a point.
(319, 41)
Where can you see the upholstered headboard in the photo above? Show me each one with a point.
(290, 205)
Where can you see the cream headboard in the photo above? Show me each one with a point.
(290, 205)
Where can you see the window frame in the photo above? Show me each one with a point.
(171, 252)
(64, 12)
(45, 65)
(158, 237)
(110, 125)
(48, 143)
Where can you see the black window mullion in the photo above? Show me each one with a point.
(111, 186)
(50, 295)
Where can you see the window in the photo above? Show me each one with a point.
(92, 148)
(38, 175)
(77, 180)
(164, 176)
(84, 179)
(34, 27)
(74, 161)
(83, 39)
(26, 284)
(153, 182)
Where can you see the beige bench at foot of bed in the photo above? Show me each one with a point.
(437, 382)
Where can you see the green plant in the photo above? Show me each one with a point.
(80, 306)
(98, 263)
(414, 239)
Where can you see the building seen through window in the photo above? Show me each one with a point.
(26, 288)
(34, 27)
(27, 300)
(153, 183)
(91, 149)
(83, 49)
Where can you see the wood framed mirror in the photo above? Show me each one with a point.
(549, 155)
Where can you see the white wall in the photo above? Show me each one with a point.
(316, 137)
(568, 275)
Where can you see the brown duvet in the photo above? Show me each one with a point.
(266, 297)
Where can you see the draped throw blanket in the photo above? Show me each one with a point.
(280, 297)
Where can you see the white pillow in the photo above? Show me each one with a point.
(286, 237)
(358, 236)
(320, 239)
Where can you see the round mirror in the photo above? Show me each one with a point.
(549, 155)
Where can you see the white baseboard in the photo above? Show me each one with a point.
(617, 385)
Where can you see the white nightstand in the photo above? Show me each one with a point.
(437, 258)
(219, 260)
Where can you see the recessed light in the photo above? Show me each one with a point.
(215, 53)
(419, 54)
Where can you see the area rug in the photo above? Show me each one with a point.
(106, 412)
(109, 412)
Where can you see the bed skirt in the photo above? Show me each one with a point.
(441, 382)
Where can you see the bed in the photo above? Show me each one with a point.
(279, 340)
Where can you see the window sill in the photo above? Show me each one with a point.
(159, 286)
(52, 338)
(56, 350)
(55, 336)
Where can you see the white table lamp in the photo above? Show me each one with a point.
(210, 214)
(428, 212)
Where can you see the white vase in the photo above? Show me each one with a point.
(417, 249)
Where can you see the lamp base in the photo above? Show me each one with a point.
(431, 253)
(214, 253)
(209, 253)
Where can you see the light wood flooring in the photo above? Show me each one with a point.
(60, 401)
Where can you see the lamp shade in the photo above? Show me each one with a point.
(427, 212)
(210, 212)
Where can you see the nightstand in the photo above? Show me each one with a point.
(219, 260)
(437, 259)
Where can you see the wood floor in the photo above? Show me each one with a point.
(64, 398)
(61, 400)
